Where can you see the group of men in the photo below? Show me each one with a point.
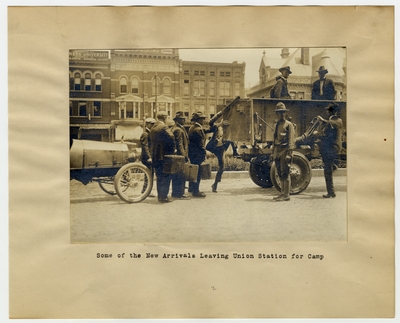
(284, 139)
(159, 139)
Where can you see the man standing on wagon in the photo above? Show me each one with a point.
(284, 143)
(323, 88)
(280, 89)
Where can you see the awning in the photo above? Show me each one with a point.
(91, 126)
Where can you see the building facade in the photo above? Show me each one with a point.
(113, 91)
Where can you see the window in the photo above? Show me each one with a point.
(186, 72)
(221, 73)
(97, 108)
(129, 110)
(224, 88)
(237, 88)
(186, 90)
(199, 88)
(82, 109)
(212, 110)
(228, 74)
(123, 85)
(77, 82)
(167, 86)
(88, 79)
(199, 107)
(70, 109)
(186, 110)
(211, 90)
(202, 73)
(300, 95)
(196, 73)
(135, 86)
(292, 94)
(212, 73)
(98, 82)
(237, 74)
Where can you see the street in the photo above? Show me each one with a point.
(240, 212)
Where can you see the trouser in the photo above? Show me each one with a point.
(219, 153)
(178, 184)
(328, 158)
(283, 169)
(163, 181)
(150, 167)
(195, 186)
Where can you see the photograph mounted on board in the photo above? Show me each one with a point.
(208, 145)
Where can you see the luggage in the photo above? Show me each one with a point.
(205, 171)
(191, 172)
(173, 164)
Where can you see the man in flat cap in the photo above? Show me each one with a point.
(330, 144)
(280, 89)
(197, 150)
(284, 143)
(182, 146)
(162, 143)
(323, 88)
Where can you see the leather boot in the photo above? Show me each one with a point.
(285, 190)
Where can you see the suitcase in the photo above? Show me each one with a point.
(173, 164)
(191, 172)
(205, 171)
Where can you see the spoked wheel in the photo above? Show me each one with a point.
(300, 174)
(107, 185)
(133, 182)
(259, 171)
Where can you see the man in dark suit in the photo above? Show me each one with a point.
(197, 150)
(182, 146)
(162, 143)
(323, 88)
(280, 89)
(330, 145)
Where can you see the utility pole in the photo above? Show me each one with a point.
(155, 101)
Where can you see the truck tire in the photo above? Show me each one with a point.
(300, 174)
(259, 171)
(133, 182)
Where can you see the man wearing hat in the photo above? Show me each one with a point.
(181, 145)
(330, 144)
(284, 143)
(280, 89)
(145, 143)
(323, 88)
(197, 150)
(162, 143)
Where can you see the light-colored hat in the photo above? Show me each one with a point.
(150, 120)
(280, 107)
(162, 114)
(198, 115)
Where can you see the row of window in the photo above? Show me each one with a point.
(224, 88)
(85, 108)
(211, 73)
(87, 83)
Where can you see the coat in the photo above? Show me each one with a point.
(280, 89)
(145, 143)
(197, 140)
(328, 90)
(162, 143)
(181, 140)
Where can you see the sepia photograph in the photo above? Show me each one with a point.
(208, 145)
(219, 162)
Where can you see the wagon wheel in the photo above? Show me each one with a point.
(259, 171)
(133, 182)
(107, 185)
(300, 174)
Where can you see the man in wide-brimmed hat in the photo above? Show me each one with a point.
(197, 150)
(330, 145)
(280, 89)
(284, 143)
(181, 145)
(323, 88)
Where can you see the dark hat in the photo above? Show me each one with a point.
(150, 120)
(285, 68)
(179, 115)
(280, 107)
(162, 114)
(332, 107)
(198, 115)
(322, 69)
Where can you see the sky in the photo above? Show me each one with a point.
(251, 56)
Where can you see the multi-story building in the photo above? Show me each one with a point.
(112, 92)
(303, 62)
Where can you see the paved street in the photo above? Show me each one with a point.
(240, 212)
